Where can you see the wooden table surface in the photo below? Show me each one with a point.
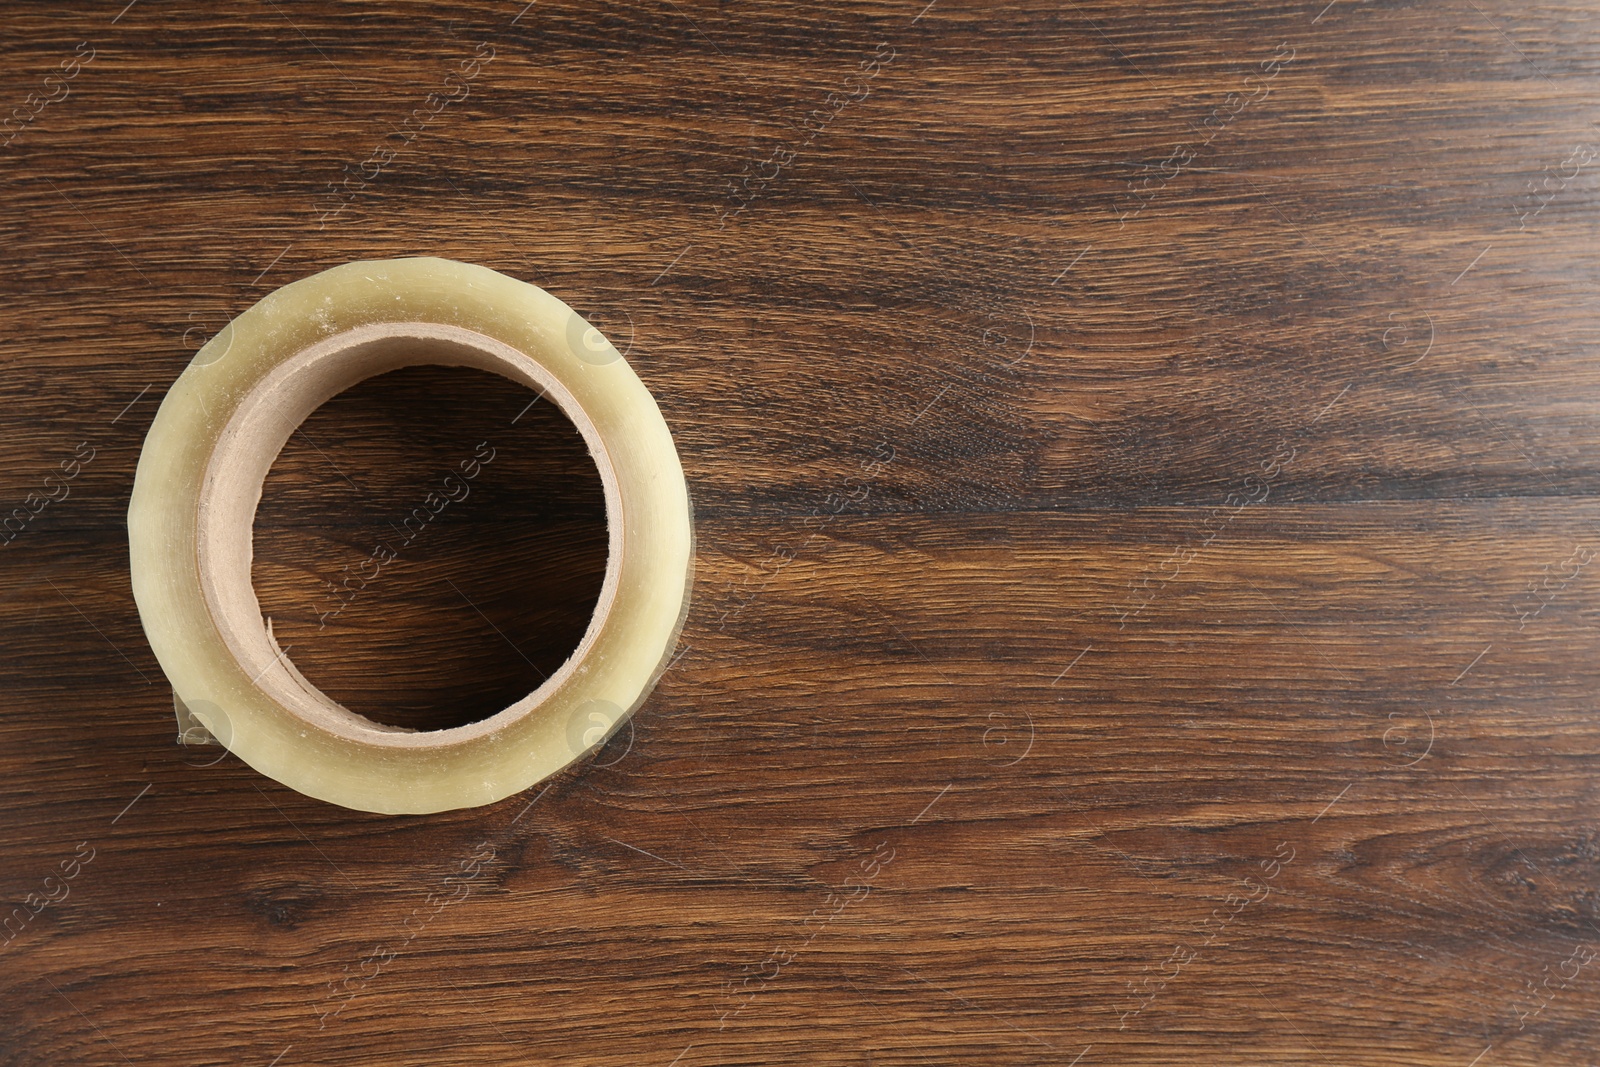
(1145, 469)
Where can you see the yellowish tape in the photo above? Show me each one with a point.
(224, 422)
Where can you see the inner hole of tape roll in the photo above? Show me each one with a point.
(420, 641)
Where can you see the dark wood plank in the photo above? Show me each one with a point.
(1146, 538)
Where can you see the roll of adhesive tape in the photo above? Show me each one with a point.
(208, 453)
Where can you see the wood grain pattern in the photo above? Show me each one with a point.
(1145, 470)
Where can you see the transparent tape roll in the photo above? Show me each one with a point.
(199, 480)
